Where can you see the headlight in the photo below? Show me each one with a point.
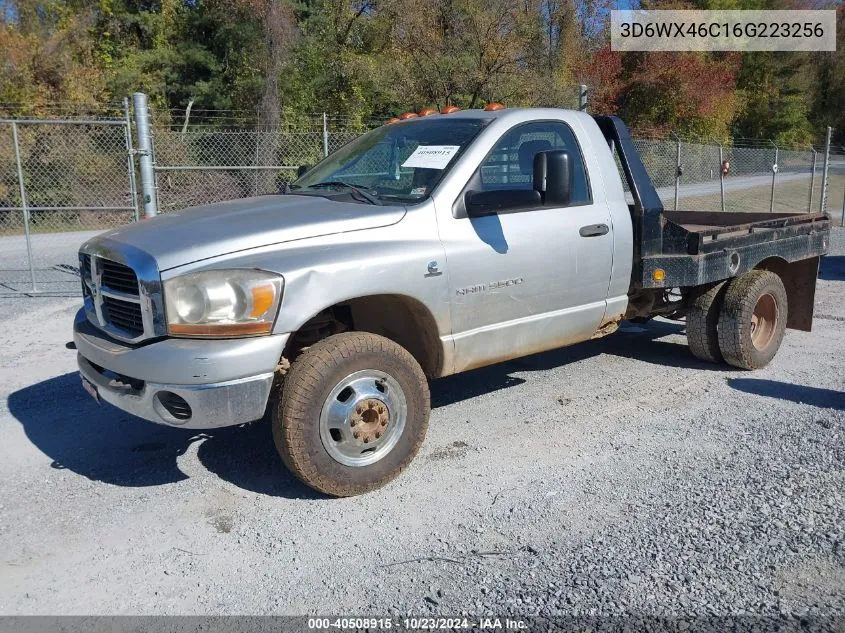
(222, 302)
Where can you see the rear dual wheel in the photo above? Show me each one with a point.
(741, 321)
(752, 322)
(703, 321)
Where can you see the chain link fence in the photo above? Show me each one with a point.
(63, 180)
(713, 177)
(203, 164)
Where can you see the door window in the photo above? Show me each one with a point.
(510, 165)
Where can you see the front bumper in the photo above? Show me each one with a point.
(190, 383)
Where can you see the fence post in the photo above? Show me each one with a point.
(842, 221)
(24, 205)
(325, 136)
(678, 170)
(722, 176)
(823, 198)
(812, 180)
(582, 98)
(142, 126)
(130, 160)
(774, 177)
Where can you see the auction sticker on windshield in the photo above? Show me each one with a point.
(431, 156)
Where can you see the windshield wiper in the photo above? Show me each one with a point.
(357, 189)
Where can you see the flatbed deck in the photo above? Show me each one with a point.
(697, 232)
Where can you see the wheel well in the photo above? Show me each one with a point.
(402, 319)
(799, 279)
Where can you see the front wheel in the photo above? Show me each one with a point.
(353, 413)
(752, 321)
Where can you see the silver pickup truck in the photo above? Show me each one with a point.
(427, 247)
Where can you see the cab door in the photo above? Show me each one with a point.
(527, 279)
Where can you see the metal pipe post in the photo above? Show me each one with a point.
(677, 168)
(582, 98)
(823, 199)
(842, 221)
(130, 161)
(142, 126)
(722, 176)
(774, 177)
(24, 205)
(325, 136)
(812, 181)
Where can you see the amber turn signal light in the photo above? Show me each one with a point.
(226, 329)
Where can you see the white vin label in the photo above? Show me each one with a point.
(732, 30)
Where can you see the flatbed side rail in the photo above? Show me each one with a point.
(731, 258)
(691, 230)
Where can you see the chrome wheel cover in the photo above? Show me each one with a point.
(363, 418)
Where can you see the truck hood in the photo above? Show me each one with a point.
(183, 237)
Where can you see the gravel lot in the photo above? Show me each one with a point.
(619, 476)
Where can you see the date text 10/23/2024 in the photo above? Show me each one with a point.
(418, 624)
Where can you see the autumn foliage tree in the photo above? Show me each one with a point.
(279, 61)
(688, 93)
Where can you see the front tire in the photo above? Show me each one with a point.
(752, 322)
(353, 413)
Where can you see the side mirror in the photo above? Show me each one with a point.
(553, 176)
(480, 203)
(301, 170)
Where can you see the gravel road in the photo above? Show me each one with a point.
(615, 477)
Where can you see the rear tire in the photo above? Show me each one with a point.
(753, 318)
(352, 415)
(703, 320)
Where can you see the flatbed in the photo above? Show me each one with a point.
(694, 249)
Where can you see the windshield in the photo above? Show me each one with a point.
(400, 161)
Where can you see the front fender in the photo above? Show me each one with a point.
(321, 272)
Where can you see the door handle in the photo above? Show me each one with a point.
(593, 230)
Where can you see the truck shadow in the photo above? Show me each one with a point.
(105, 444)
(832, 268)
(634, 341)
(814, 396)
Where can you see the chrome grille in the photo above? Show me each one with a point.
(119, 277)
(112, 296)
(124, 314)
(85, 274)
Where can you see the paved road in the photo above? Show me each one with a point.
(732, 184)
(54, 260)
(618, 476)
